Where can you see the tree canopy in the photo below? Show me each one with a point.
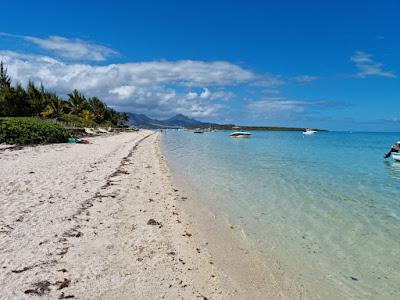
(17, 101)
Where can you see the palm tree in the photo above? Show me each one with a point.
(77, 102)
(98, 108)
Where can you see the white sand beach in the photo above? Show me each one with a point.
(79, 214)
(104, 221)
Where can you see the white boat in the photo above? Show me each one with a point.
(309, 132)
(240, 134)
(198, 130)
(396, 156)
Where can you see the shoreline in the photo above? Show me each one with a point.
(243, 270)
(107, 221)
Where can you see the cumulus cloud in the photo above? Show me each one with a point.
(73, 49)
(367, 66)
(159, 87)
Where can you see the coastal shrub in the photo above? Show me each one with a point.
(76, 120)
(31, 130)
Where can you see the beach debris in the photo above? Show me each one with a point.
(187, 234)
(354, 278)
(23, 269)
(153, 222)
(63, 284)
(119, 172)
(40, 288)
(62, 270)
(63, 251)
(51, 262)
(73, 232)
(63, 296)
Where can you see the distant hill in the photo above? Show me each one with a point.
(143, 121)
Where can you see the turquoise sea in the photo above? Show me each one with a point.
(326, 206)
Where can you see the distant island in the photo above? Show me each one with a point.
(180, 120)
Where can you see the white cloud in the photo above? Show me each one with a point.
(276, 104)
(155, 87)
(205, 94)
(73, 49)
(304, 79)
(282, 107)
(269, 80)
(367, 66)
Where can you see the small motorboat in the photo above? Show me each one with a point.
(198, 130)
(396, 156)
(309, 131)
(240, 134)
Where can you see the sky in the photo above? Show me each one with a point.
(321, 64)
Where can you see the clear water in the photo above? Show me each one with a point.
(326, 207)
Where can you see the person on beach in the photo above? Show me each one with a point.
(77, 140)
(395, 148)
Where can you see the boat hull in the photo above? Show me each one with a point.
(309, 132)
(240, 134)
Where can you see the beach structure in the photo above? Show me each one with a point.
(90, 131)
(102, 130)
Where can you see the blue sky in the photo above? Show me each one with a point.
(288, 63)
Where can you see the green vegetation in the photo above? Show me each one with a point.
(31, 130)
(78, 121)
(15, 101)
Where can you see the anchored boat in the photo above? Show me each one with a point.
(309, 132)
(396, 156)
(198, 130)
(240, 134)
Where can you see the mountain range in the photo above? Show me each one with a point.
(179, 120)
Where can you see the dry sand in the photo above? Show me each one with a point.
(103, 221)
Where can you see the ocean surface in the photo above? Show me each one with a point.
(326, 207)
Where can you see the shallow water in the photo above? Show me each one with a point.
(326, 207)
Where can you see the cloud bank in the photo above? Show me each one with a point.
(159, 87)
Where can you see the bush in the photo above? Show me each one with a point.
(78, 121)
(31, 131)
